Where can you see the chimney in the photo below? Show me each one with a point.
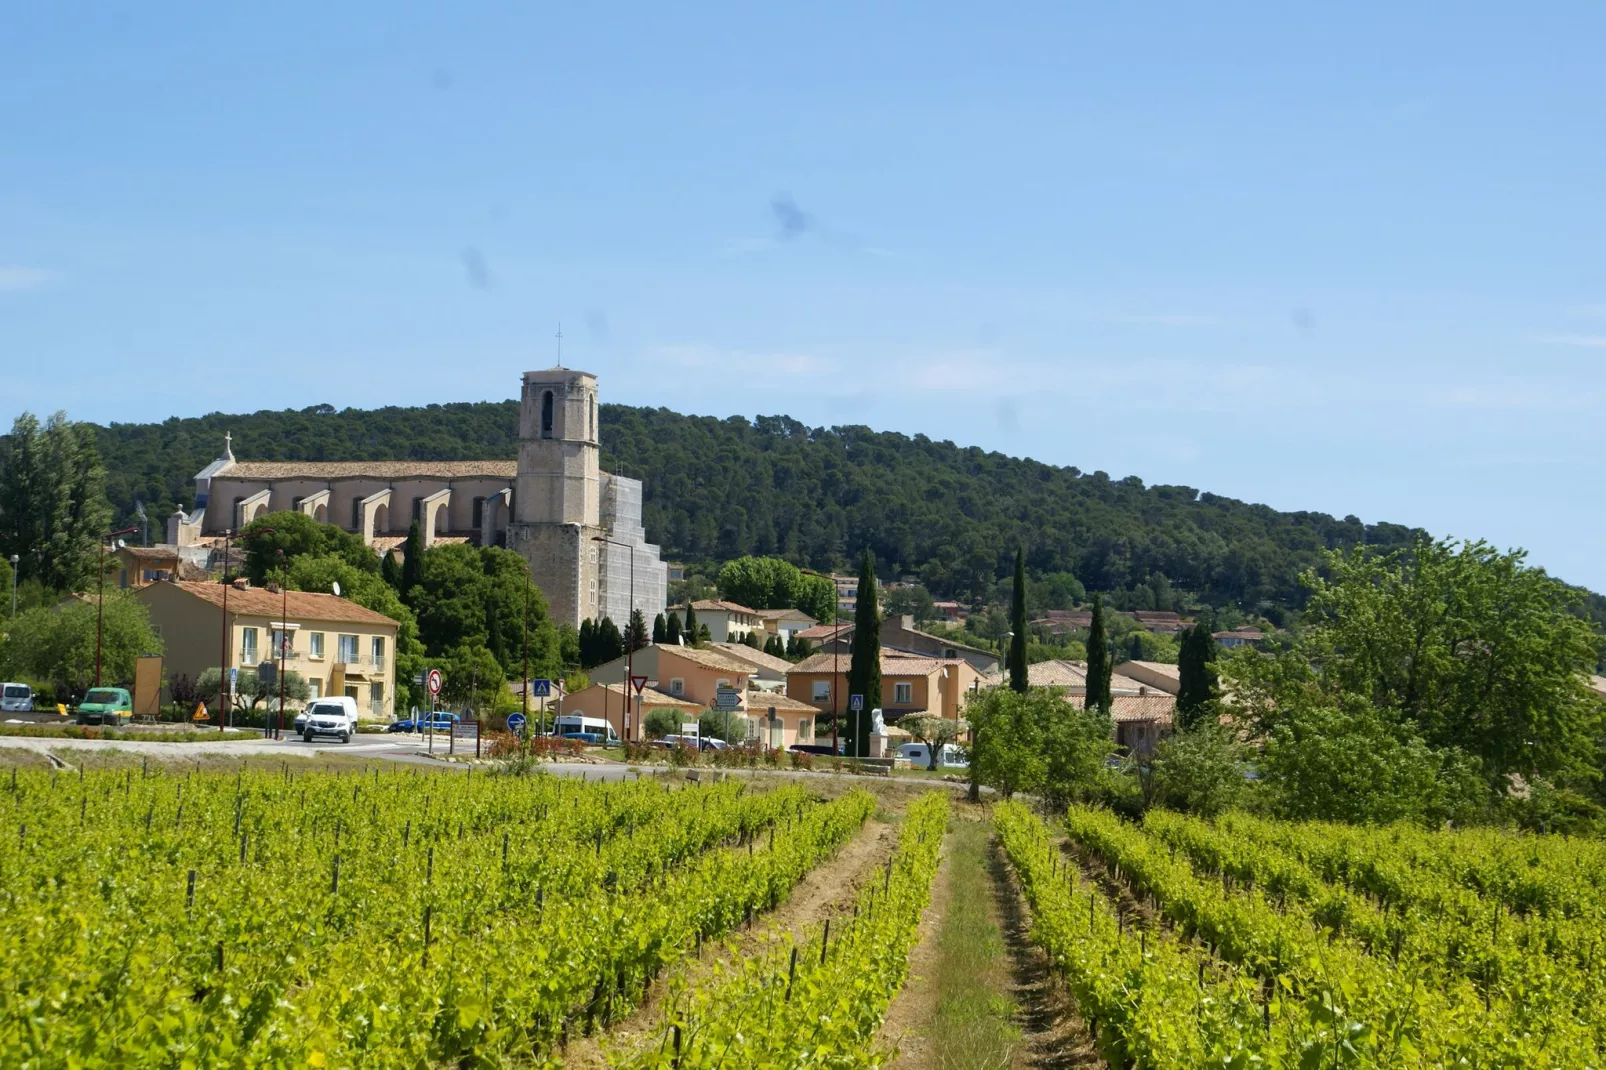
(242, 584)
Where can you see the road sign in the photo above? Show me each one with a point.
(638, 682)
(727, 698)
(515, 722)
(432, 680)
(234, 678)
(557, 685)
(540, 688)
(855, 702)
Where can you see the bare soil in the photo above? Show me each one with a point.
(1052, 1033)
(908, 1026)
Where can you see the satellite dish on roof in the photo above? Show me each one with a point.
(337, 588)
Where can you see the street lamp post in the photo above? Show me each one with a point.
(284, 639)
(630, 646)
(223, 669)
(15, 559)
(100, 596)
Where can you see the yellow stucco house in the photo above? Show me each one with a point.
(339, 647)
(909, 684)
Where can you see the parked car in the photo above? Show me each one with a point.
(817, 748)
(109, 706)
(703, 743)
(332, 716)
(406, 724)
(16, 698)
(441, 722)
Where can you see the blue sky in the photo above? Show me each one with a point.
(1345, 259)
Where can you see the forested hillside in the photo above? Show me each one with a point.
(716, 489)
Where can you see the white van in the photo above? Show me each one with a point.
(332, 716)
(570, 723)
(16, 698)
(918, 755)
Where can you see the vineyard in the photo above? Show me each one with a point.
(388, 918)
(1252, 943)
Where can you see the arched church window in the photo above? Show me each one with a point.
(546, 414)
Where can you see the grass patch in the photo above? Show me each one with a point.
(975, 1023)
(76, 731)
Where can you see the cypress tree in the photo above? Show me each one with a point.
(1098, 661)
(1197, 677)
(636, 631)
(1017, 621)
(751, 639)
(390, 571)
(804, 648)
(693, 632)
(864, 669)
(412, 569)
(672, 630)
(610, 644)
(660, 629)
(588, 644)
(704, 635)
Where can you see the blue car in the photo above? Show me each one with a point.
(443, 723)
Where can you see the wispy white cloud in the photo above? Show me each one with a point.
(18, 279)
(1511, 396)
(1577, 341)
(1164, 320)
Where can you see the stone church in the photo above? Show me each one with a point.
(578, 526)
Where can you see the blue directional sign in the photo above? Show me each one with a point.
(515, 722)
(541, 688)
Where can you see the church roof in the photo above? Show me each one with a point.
(373, 470)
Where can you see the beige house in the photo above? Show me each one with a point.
(688, 673)
(727, 622)
(768, 671)
(784, 622)
(1155, 675)
(909, 685)
(341, 648)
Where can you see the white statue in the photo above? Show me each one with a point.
(878, 723)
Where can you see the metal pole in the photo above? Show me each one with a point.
(630, 647)
(223, 657)
(100, 608)
(284, 645)
(527, 648)
(16, 560)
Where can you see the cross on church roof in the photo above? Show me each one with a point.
(560, 343)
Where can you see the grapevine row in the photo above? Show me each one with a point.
(1396, 1016)
(817, 1002)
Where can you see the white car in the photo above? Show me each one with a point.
(333, 716)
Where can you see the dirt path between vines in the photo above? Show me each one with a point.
(827, 891)
(1023, 1017)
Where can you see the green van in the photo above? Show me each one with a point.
(108, 706)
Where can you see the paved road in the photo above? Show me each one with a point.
(390, 748)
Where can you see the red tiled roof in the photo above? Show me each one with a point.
(299, 605)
